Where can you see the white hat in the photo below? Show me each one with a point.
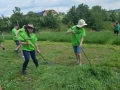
(81, 23)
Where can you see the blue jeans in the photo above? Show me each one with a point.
(27, 58)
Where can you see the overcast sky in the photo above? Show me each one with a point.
(6, 6)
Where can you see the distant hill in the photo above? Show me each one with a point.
(117, 10)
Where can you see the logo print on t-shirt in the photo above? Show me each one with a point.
(77, 32)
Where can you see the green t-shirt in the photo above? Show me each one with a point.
(14, 33)
(79, 33)
(116, 27)
(25, 38)
(22, 30)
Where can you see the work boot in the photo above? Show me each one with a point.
(3, 48)
(24, 72)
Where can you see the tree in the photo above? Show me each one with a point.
(113, 16)
(17, 16)
(83, 12)
(70, 16)
(51, 21)
(97, 18)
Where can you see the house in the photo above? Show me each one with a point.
(44, 13)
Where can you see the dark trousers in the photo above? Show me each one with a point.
(27, 58)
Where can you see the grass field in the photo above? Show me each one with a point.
(64, 74)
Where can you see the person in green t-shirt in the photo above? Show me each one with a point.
(29, 44)
(18, 32)
(1, 40)
(2, 46)
(116, 27)
(22, 30)
(78, 33)
(14, 30)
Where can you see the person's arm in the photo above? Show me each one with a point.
(81, 42)
(82, 39)
(21, 42)
(71, 31)
(16, 34)
(36, 47)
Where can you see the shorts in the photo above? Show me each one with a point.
(17, 42)
(77, 49)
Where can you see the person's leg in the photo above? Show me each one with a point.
(33, 56)
(114, 32)
(0, 87)
(78, 56)
(77, 51)
(2, 46)
(118, 32)
(18, 45)
(26, 55)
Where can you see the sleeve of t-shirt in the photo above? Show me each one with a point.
(35, 39)
(22, 29)
(70, 28)
(21, 37)
(84, 32)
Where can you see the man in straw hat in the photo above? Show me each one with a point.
(78, 33)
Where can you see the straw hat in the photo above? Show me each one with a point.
(30, 25)
(81, 23)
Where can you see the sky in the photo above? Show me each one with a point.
(6, 6)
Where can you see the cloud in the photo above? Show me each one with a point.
(6, 6)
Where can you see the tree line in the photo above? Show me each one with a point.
(96, 18)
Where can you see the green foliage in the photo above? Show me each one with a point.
(92, 37)
(51, 20)
(97, 18)
(74, 14)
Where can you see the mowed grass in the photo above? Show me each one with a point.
(64, 73)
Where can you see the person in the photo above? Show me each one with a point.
(78, 33)
(14, 30)
(19, 31)
(29, 44)
(116, 28)
(0, 87)
(22, 30)
(2, 46)
(1, 40)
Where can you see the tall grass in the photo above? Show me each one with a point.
(98, 37)
(54, 36)
(116, 40)
(102, 37)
